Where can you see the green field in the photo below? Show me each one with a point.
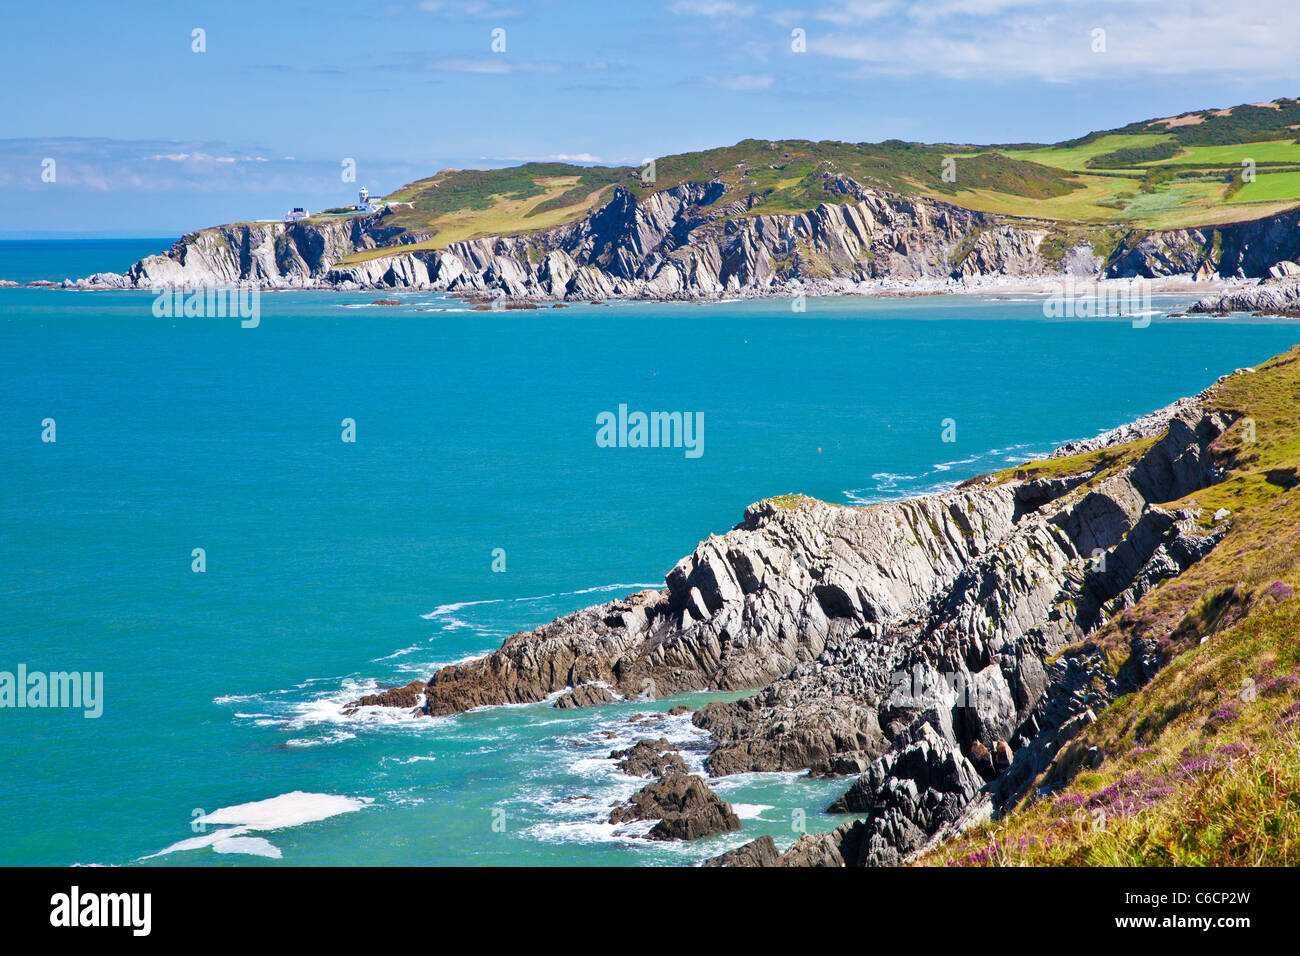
(1270, 187)
(1278, 151)
(1076, 157)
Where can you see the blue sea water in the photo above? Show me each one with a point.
(332, 567)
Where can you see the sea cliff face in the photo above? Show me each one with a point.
(923, 645)
(1257, 249)
(676, 243)
(687, 243)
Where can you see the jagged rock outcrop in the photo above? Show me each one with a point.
(972, 655)
(584, 695)
(1004, 250)
(922, 784)
(684, 805)
(746, 607)
(760, 852)
(837, 848)
(650, 758)
(271, 255)
(409, 696)
(1252, 249)
(1271, 298)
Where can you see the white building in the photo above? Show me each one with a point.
(364, 202)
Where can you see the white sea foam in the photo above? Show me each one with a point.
(334, 737)
(254, 846)
(444, 610)
(736, 781)
(873, 496)
(427, 667)
(198, 842)
(886, 476)
(891, 486)
(591, 831)
(333, 709)
(585, 817)
(292, 809)
(233, 699)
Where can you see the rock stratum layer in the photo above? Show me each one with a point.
(686, 243)
(918, 644)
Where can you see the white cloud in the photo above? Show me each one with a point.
(1053, 41)
(710, 8)
(742, 82)
(493, 63)
(473, 10)
(857, 11)
(198, 157)
(552, 158)
(101, 164)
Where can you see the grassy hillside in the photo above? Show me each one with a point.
(1187, 170)
(1202, 765)
(1155, 174)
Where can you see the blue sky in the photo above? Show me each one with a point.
(152, 138)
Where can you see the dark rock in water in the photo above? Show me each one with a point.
(684, 806)
(841, 765)
(909, 794)
(840, 847)
(820, 717)
(760, 852)
(585, 695)
(1266, 298)
(679, 710)
(408, 696)
(387, 302)
(650, 758)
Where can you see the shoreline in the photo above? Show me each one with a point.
(1038, 285)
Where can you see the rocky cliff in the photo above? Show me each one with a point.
(1271, 297)
(698, 240)
(681, 242)
(1255, 249)
(918, 644)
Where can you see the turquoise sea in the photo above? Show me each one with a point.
(331, 566)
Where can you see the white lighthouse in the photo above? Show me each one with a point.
(364, 197)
